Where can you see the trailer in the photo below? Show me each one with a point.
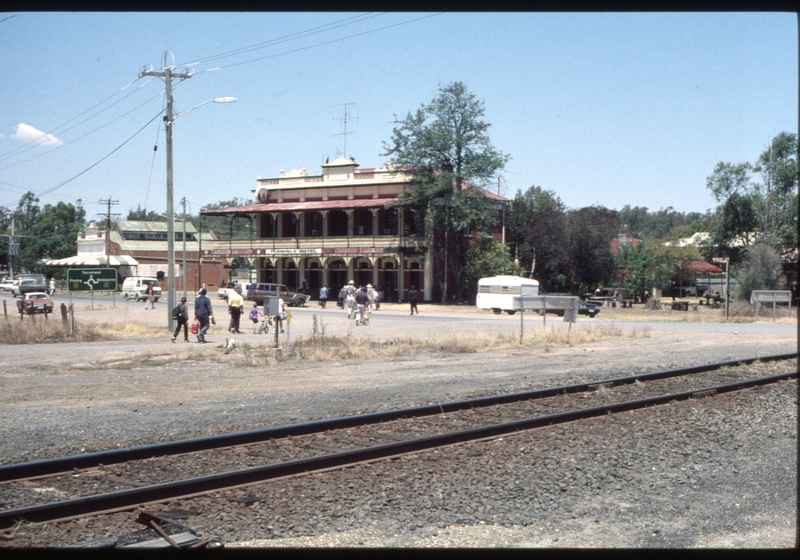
(498, 292)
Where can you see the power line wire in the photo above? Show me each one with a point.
(290, 37)
(85, 135)
(321, 44)
(48, 191)
(35, 141)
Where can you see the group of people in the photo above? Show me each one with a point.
(357, 301)
(204, 315)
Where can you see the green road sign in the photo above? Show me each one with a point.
(91, 279)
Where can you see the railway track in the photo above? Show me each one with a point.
(90, 484)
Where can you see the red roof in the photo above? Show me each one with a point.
(701, 266)
(615, 244)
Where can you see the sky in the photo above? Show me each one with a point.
(608, 109)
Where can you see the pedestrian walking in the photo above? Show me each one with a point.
(254, 314)
(203, 314)
(235, 308)
(323, 296)
(151, 298)
(413, 299)
(350, 292)
(52, 286)
(181, 315)
(342, 296)
(362, 301)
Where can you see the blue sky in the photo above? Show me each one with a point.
(601, 108)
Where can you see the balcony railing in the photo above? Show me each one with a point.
(288, 243)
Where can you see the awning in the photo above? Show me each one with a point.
(701, 266)
(92, 260)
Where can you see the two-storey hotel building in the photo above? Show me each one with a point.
(335, 227)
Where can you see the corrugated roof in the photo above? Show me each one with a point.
(134, 225)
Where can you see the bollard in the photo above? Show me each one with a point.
(64, 313)
(5, 311)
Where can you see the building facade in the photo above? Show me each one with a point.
(137, 248)
(334, 227)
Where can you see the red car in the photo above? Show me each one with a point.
(36, 302)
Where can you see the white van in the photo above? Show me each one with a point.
(497, 292)
(136, 287)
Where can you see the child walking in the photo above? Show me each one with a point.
(254, 313)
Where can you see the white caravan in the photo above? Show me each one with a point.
(498, 292)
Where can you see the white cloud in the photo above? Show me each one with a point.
(28, 134)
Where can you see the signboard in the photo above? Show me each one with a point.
(151, 270)
(91, 279)
(770, 296)
(294, 252)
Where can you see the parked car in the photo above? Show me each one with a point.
(584, 308)
(261, 291)
(28, 285)
(36, 302)
(6, 285)
(136, 287)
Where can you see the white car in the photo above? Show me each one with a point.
(7, 284)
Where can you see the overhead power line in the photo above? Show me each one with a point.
(95, 164)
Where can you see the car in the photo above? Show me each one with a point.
(584, 308)
(136, 287)
(6, 285)
(258, 292)
(27, 286)
(36, 302)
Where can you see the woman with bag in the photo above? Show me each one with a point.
(182, 317)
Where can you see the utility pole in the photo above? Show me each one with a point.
(183, 201)
(168, 75)
(108, 215)
(13, 248)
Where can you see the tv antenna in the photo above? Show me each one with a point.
(344, 120)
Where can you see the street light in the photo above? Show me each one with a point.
(168, 119)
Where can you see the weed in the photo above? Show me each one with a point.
(39, 330)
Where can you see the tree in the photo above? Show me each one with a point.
(141, 215)
(590, 231)
(778, 167)
(669, 259)
(445, 148)
(761, 270)
(634, 260)
(735, 224)
(232, 226)
(486, 257)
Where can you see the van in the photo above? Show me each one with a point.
(498, 292)
(136, 287)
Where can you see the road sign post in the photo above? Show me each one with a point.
(91, 279)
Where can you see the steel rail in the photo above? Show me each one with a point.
(124, 499)
(46, 467)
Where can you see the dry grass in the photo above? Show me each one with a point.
(41, 330)
(131, 329)
(319, 347)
